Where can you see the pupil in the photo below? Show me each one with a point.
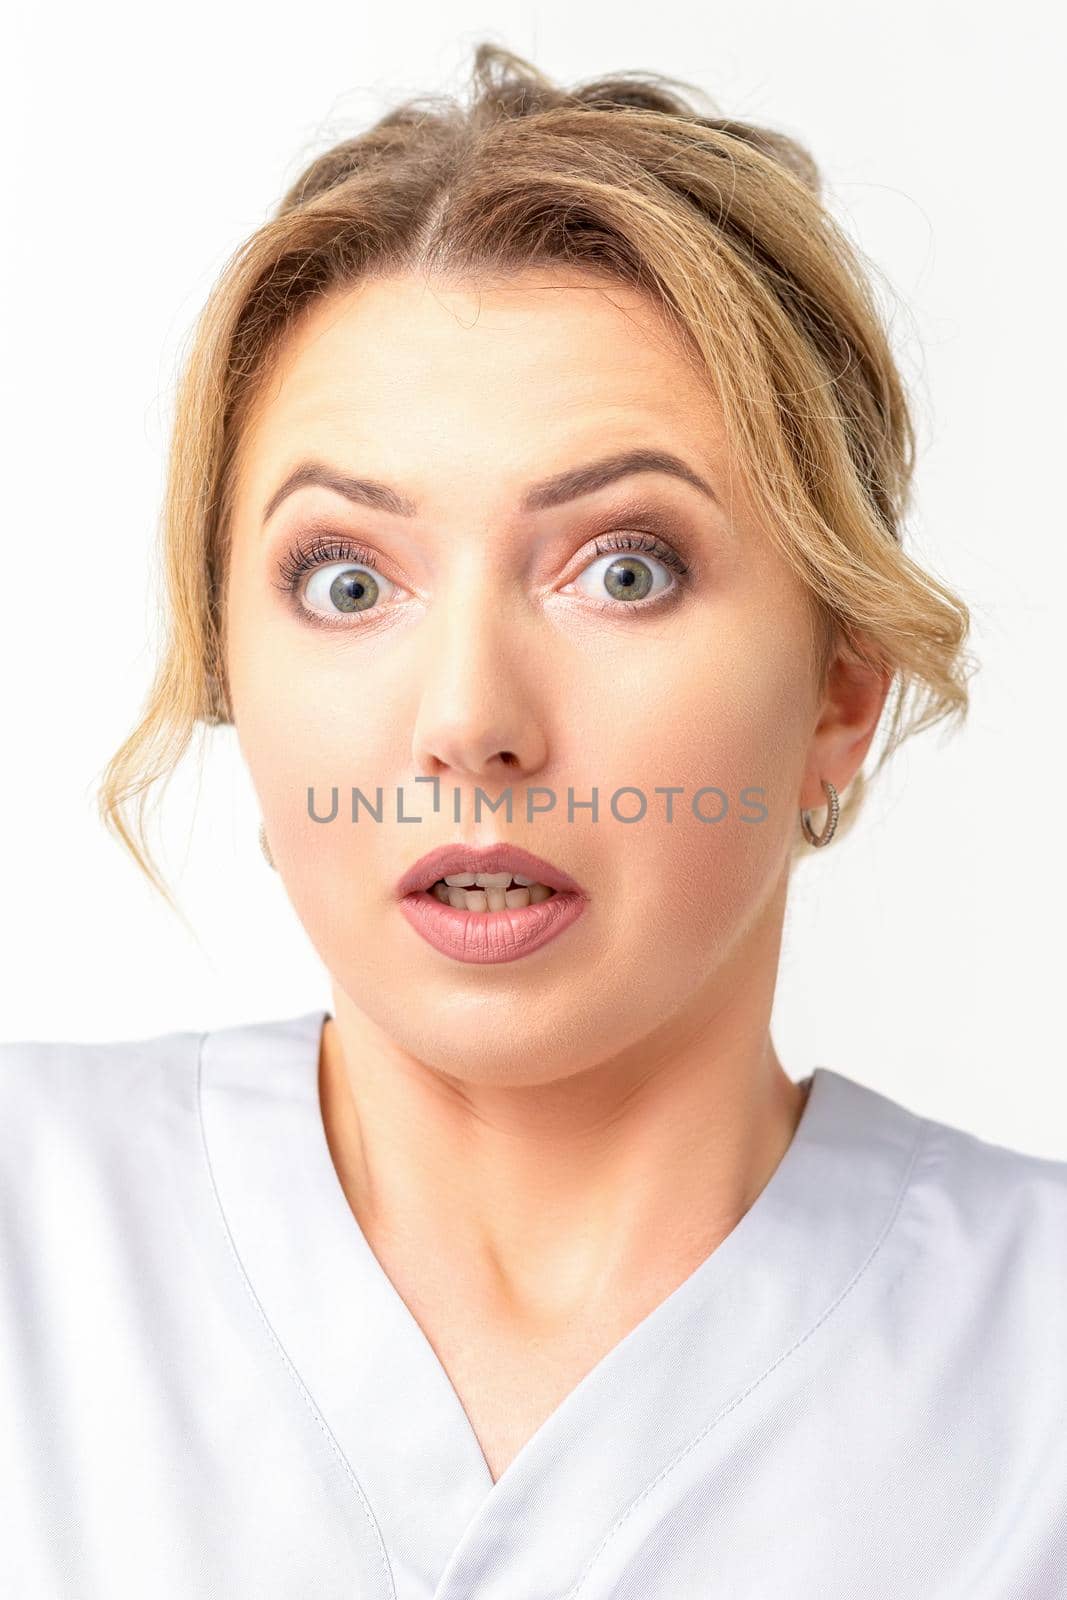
(353, 591)
(629, 572)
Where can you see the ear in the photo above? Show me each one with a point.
(853, 698)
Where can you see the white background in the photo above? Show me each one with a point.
(924, 955)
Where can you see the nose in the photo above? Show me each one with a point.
(478, 715)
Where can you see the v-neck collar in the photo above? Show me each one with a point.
(380, 1390)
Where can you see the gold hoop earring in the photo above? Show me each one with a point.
(264, 846)
(833, 811)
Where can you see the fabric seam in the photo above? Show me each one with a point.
(294, 1375)
(925, 1123)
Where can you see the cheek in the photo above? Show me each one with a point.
(305, 735)
(309, 709)
(725, 708)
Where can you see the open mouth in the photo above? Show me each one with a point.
(489, 891)
(489, 917)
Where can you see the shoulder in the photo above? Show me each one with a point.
(54, 1092)
(983, 1181)
(993, 1224)
(970, 1207)
(975, 1179)
(30, 1066)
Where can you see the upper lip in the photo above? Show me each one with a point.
(453, 858)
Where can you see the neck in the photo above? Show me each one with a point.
(552, 1200)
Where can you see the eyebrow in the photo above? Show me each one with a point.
(554, 491)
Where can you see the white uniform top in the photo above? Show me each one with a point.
(210, 1388)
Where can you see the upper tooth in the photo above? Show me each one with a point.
(484, 880)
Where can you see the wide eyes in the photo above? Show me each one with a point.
(333, 584)
(624, 577)
(342, 588)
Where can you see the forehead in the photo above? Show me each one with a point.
(551, 355)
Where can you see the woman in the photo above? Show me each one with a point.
(534, 516)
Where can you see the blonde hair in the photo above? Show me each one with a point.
(721, 221)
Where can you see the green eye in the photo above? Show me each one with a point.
(343, 588)
(629, 578)
(626, 578)
(353, 590)
(330, 578)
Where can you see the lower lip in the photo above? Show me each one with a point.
(485, 936)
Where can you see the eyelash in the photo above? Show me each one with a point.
(322, 550)
(299, 560)
(649, 544)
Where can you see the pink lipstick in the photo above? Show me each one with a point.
(526, 902)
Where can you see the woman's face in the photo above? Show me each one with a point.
(498, 628)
